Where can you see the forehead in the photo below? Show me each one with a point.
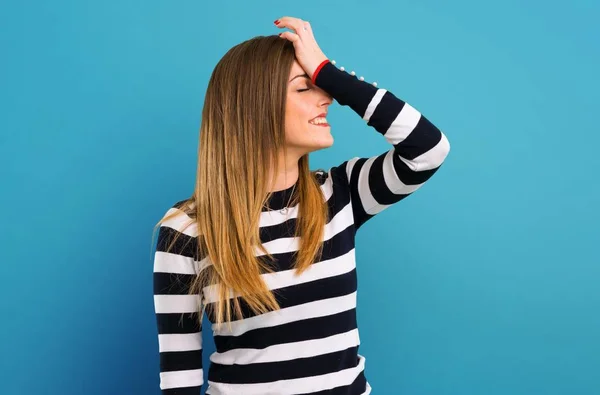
(296, 69)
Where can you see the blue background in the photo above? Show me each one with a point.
(483, 282)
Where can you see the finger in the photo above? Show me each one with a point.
(293, 37)
(307, 27)
(290, 22)
(294, 24)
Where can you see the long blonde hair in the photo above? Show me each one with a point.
(241, 133)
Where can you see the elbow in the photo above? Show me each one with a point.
(445, 148)
(439, 151)
(438, 154)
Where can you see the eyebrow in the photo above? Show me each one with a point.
(300, 75)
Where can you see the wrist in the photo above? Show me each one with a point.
(318, 68)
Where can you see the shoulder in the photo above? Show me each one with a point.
(178, 230)
(337, 175)
(179, 217)
(321, 176)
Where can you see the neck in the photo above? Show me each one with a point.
(287, 174)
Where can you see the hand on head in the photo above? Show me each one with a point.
(308, 52)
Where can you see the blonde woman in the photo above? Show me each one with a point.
(264, 245)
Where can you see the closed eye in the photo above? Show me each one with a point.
(303, 90)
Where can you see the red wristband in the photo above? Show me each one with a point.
(314, 77)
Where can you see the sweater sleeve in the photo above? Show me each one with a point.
(179, 332)
(418, 147)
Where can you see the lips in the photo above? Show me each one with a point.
(322, 115)
(319, 120)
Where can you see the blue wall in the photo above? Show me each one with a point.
(483, 282)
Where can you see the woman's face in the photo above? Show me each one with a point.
(306, 128)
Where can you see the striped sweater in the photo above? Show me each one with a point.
(311, 345)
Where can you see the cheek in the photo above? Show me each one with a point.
(296, 108)
(296, 117)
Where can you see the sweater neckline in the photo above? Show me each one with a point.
(282, 199)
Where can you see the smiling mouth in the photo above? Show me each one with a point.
(319, 121)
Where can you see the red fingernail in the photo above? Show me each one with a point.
(277, 22)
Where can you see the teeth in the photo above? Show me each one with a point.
(318, 121)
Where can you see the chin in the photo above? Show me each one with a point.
(329, 143)
(322, 143)
(311, 141)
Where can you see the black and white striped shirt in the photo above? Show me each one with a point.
(311, 345)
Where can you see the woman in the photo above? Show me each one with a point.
(265, 246)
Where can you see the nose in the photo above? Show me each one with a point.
(325, 100)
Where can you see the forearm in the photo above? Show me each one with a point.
(420, 144)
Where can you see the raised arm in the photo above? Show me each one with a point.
(418, 147)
